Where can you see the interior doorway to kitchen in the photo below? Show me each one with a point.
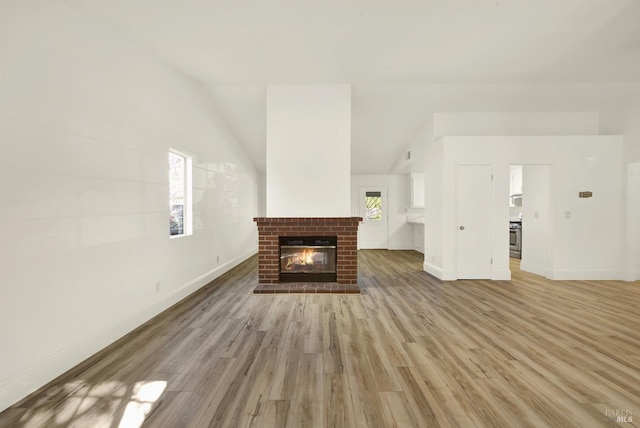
(529, 207)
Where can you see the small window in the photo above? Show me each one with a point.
(373, 206)
(179, 194)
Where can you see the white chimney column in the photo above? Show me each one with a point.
(308, 151)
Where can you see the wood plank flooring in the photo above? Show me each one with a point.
(410, 351)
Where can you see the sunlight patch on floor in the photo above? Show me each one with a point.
(97, 405)
(141, 403)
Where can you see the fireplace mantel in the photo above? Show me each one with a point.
(270, 229)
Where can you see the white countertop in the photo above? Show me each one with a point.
(415, 219)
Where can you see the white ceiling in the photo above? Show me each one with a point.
(405, 60)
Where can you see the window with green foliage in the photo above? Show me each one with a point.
(373, 206)
(179, 194)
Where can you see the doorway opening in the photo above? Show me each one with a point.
(529, 195)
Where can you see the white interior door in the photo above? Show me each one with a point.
(373, 210)
(475, 219)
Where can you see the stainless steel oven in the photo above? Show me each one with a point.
(515, 239)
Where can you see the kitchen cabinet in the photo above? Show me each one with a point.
(417, 223)
(515, 179)
(515, 186)
(418, 237)
(417, 190)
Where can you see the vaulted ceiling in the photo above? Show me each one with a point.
(405, 60)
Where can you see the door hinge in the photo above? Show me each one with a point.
(491, 177)
(491, 261)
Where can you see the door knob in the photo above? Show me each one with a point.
(461, 228)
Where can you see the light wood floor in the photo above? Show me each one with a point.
(408, 351)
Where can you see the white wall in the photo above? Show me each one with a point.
(434, 210)
(586, 246)
(308, 151)
(515, 123)
(536, 191)
(417, 147)
(632, 250)
(262, 196)
(632, 134)
(400, 233)
(86, 120)
(632, 159)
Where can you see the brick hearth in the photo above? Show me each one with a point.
(270, 229)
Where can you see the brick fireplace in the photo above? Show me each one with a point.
(273, 230)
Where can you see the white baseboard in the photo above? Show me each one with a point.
(533, 268)
(394, 246)
(25, 382)
(438, 272)
(433, 270)
(501, 275)
(559, 275)
(496, 275)
(631, 275)
(585, 275)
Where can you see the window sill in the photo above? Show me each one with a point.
(184, 235)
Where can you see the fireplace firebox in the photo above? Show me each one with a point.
(308, 258)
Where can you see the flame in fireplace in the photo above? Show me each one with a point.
(301, 259)
(307, 257)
